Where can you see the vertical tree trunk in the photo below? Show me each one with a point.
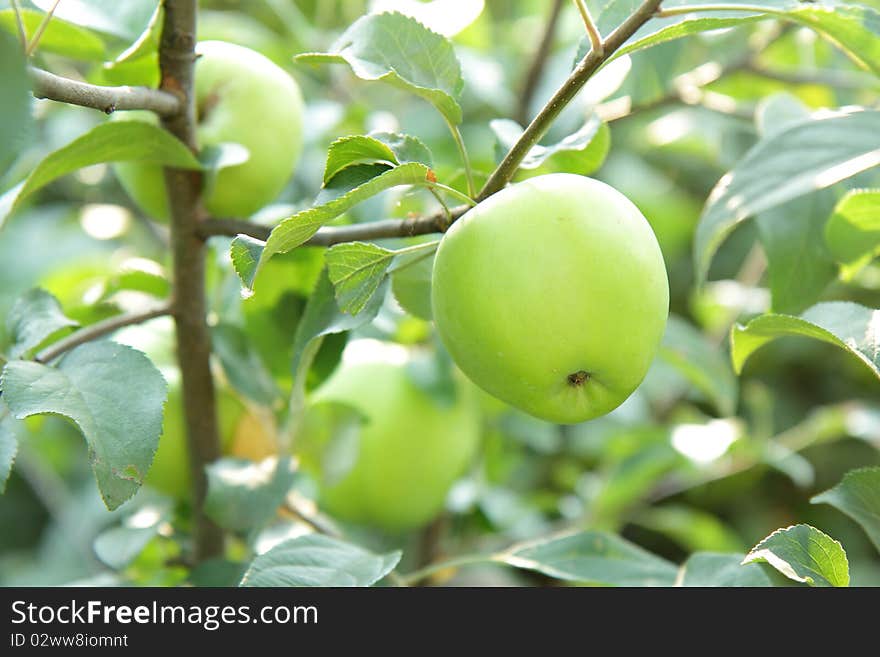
(176, 61)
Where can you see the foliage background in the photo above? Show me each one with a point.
(699, 459)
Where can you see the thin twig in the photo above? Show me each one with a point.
(98, 330)
(19, 22)
(465, 159)
(436, 222)
(592, 31)
(465, 560)
(539, 61)
(32, 46)
(505, 171)
(106, 99)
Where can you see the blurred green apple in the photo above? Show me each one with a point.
(242, 433)
(552, 295)
(241, 97)
(410, 448)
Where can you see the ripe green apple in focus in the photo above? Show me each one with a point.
(552, 296)
(241, 97)
(411, 446)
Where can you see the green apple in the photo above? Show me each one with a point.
(552, 295)
(169, 472)
(242, 434)
(241, 97)
(410, 448)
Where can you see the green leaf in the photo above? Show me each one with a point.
(34, 316)
(125, 20)
(714, 569)
(799, 265)
(316, 560)
(778, 112)
(841, 323)
(406, 148)
(119, 546)
(243, 366)
(243, 495)
(401, 51)
(593, 557)
(580, 152)
(811, 155)
(858, 496)
(322, 317)
(113, 393)
(109, 142)
(8, 448)
(377, 148)
(15, 111)
(356, 149)
(412, 288)
(853, 230)
(60, 37)
(687, 350)
(356, 270)
(853, 29)
(249, 255)
(804, 554)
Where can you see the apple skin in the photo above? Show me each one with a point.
(169, 472)
(552, 295)
(241, 97)
(411, 447)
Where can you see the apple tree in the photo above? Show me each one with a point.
(399, 292)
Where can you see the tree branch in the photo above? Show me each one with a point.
(99, 330)
(107, 99)
(436, 222)
(538, 63)
(505, 171)
(177, 63)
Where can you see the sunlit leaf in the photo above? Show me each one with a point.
(401, 51)
(808, 156)
(59, 37)
(847, 325)
(114, 141)
(853, 229)
(594, 557)
(15, 110)
(858, 496)
(316, 560)
(804, 554)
